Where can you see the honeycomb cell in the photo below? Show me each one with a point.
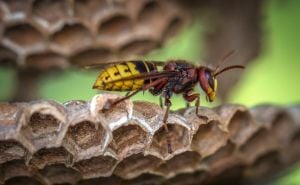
(151, 13)
(113, 180)
(89, 10)
(46, 61)
(255, 148)
(223, 158)
(11, 150)
(209, 138)
(60, 174)
(136, 165)
(45, 125)
(18, 9)
(15, 35)
(49, 156)
(14, 168)
(129, 139)
(138, 47)
(178, 135)
(101, 166)
(241, 127)
(71, 38)
(91, 56)
(115, 26)
(7, 56)
(198, 177)
(23, 181)
(85, 134)
(9, 117)
(51, 14)
(282, 128)
(265, 165)
(183, 163)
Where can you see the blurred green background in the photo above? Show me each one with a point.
(272, 78)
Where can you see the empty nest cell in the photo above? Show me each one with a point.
(11, 150)
(182, 163)
(60, 174)
(71, 38)
(86, 134)
(115, 26)
(91, 56)
(136, 165)
(14, 168)
(46, 61)
(129, 139)
(50, 13)
(49, 156)
(150, 13)
(178, 137)
(89, 10)
(209, 138)
(15, 34)
(101, 166)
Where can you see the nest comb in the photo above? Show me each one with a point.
(44, 142)
(42, 34)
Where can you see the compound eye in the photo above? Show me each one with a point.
(210, 79)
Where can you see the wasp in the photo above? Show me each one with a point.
(176, 77)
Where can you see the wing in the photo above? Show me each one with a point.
(106, 64)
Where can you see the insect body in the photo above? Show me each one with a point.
(177, 76)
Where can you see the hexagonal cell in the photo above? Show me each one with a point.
(179, 137)
(241, 127)
(49, 156)
(46, 61)
(50, 14)
(14, 168)
(45, 125)
(222, 159)
(151, 13)
(138, 47)
(209, 138)
(91, 56)
(136, 165)
(283, 128)
(70, 38)
(265, 165)
(182, 163)
(89, 10)
(129, 139)
(101, 166)
(7, 56)
(85, 134)
(115, 26)
(22, 180)
(197, 177)
(112, 180)
(18, 9)
(60, 174)
(15, 35)
(259, 144)
(11, 150)
(264, 114)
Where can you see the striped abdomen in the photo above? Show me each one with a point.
(121, 70)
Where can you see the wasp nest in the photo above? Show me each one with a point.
(44, 142)
(43, 34)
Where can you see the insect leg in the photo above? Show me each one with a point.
(168, 105)
(161, 102)
(128, 95)
(189, 97)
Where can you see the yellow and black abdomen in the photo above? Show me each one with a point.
(122, 70)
